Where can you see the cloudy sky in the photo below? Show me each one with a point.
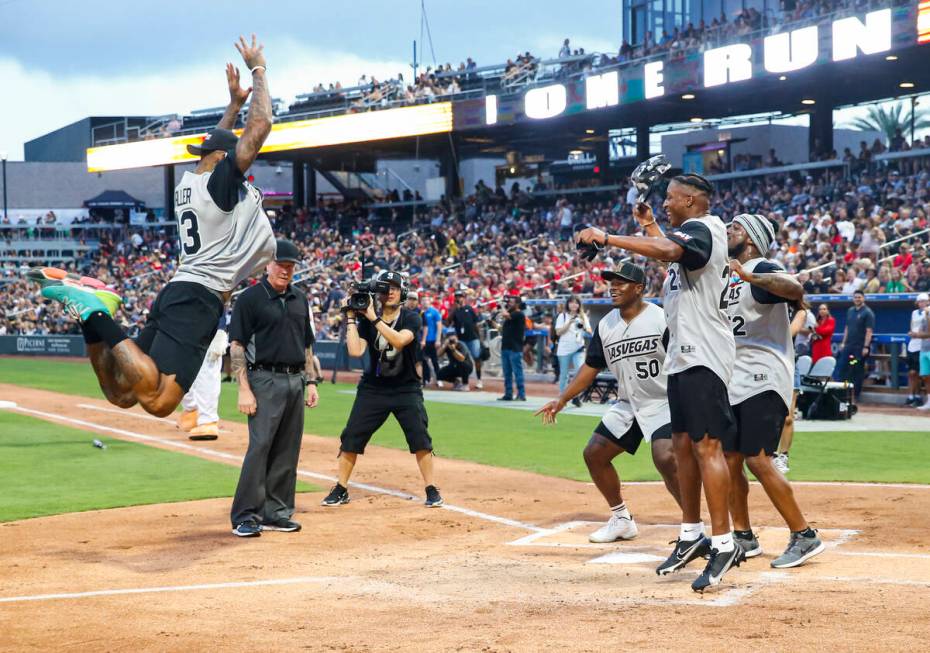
(62, 60)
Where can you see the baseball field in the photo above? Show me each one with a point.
(127, 547)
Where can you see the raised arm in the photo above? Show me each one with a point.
(237, 98)
(660, 248)
(781, 284)
(258, 124)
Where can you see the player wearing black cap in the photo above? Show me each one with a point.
(389, 385)
(630, 341)
(225, 238)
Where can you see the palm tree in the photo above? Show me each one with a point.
(888, 122)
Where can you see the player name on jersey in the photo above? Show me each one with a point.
(632, 347)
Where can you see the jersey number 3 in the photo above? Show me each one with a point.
(190, 233)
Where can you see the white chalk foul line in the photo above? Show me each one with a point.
(170, 588)
(227, 456)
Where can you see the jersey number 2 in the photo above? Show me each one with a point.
(190, 233)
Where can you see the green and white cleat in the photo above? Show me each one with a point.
(48, 277)
(83, 301)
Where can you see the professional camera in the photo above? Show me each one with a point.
(361, 292)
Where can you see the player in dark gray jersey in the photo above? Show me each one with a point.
(762, 383)
(699, 363)
(225, 237)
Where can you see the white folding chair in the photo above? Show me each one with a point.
(803, 364)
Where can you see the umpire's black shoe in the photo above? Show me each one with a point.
(247, 529)
(282, 525)
(337, 496)
(433, 498)
(685, 551)
(505, 398)
(717, 566)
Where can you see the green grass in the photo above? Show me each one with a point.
(48, 469)
(511, 438)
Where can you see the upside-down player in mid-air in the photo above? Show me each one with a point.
(630, 340)
(225, 238)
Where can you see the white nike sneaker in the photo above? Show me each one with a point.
(780, 461)
(617, 528)
(479, 385)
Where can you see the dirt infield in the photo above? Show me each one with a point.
(506, 566)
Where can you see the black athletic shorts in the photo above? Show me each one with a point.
(913, 361)
(371, 409)
(179, 328)
(631, 440)
(759, 421)
(699, 404)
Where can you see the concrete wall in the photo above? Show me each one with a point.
(415, 172)
(471, 170)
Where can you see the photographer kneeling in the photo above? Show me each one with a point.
(389, 384)
(459, 365)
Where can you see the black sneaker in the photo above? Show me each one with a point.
(576, 402)
(750, 544)
(717, 566)
(685, 551)
(337, 496)
(521, 398)
(282, 525)
(247, 529)
(505, 398)
(433, 498)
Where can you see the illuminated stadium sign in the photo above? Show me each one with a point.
(300, 134)
(790, 51)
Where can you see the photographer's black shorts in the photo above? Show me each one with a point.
(699, 404)
(371, 409)
(759, 421)
(179, 328)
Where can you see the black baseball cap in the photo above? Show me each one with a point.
(627, 272)
(217, 140)
(393, 278)
(286, 252)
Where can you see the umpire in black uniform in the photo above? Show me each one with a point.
(272, 356)
(389, 385)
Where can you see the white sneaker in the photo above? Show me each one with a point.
(926, 406)
(479, 385)
(617, 528)
(780, 460)
(438, 384)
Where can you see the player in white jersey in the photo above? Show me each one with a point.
(699, 364)
(630, 341)
(225, 238)
(762, 385)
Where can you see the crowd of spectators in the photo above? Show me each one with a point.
(834, 229)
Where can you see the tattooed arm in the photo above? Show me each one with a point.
(258, 124)
(247, 404)
(310, 373)
(778, 283)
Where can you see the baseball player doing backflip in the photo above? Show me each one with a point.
(225, 238)
(762, 385)
(630, 341)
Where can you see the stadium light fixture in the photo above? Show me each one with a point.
(782, 78)
(808, 101)
(687, 96)
(588, 131)
(696, 119)
(906, 85)
(891, 57)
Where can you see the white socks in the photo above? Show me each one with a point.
(620, 511)
(723, 543)
(691, 532)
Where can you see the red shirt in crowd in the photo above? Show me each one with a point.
(821, 346)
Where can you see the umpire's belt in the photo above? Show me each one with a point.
(279, 368)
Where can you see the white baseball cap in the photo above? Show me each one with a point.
(923, 297)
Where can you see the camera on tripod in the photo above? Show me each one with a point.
(360, 297)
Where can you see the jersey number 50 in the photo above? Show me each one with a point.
(190, 233)
(645, 369)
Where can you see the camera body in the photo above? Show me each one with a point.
(361, 292)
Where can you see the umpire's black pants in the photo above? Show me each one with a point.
(268, 479)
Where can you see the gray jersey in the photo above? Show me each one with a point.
(694, 298)
(221, 248)
(634, 352)
(764, 350)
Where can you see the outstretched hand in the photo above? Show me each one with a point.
(591, 235)
(253, 54)
(549, 411)
(237, 94)
(737, 268)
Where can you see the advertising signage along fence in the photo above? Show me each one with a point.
(842, 39)
(42, 345)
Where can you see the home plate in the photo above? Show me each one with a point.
(621, 558)
(7, 404)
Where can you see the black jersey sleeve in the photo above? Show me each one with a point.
(595, 354)
(224, 183)
(695, 238)
(762, 295)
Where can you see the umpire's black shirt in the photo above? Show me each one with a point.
(274, 329)
(388, 368)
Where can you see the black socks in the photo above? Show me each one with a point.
(90, 336)
(102, 325)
